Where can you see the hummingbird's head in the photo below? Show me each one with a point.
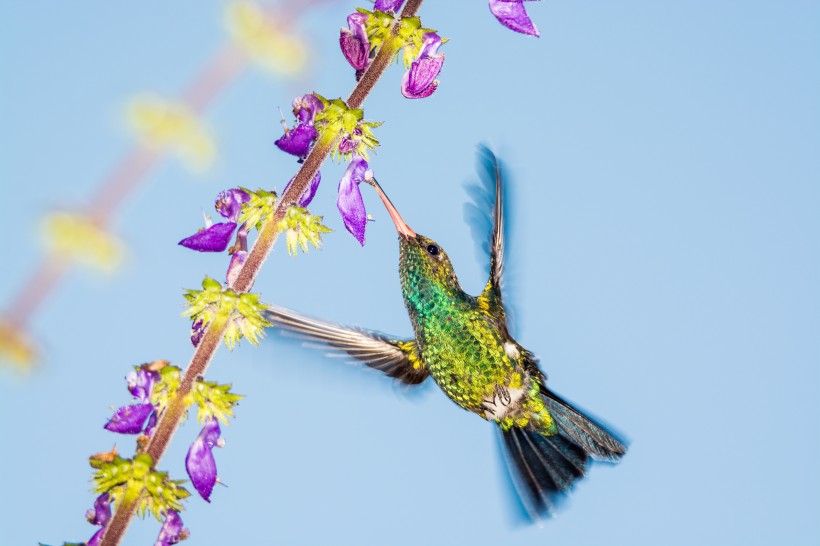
(424, 267)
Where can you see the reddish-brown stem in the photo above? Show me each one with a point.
(171, 418)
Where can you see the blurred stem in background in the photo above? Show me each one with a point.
(262, 34)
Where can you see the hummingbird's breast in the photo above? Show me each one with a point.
(467, 357)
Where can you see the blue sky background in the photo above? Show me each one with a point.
(665, 267)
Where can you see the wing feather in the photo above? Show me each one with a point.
(396, 358)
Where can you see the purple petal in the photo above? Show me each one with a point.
(101, 513)
(129, 419)
(235, 266)
(350, 141)
(213, 239)
(349, 202)
(354, 42)
(310, 191)
(513, 15)
(298, 140)
(152, 423)
(306, 107)
(388, 5)
(197, 331)
(200, 462)
(171, 531)
(420, 80)
(430, 44)
(229, 203)
(356, 52)
(141, 384)
(96, 539)
(356, 22)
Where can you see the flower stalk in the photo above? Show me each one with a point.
(215, 331)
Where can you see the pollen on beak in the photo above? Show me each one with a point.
(403, 229)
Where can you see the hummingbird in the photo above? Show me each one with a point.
(464, 343)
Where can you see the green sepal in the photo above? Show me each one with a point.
(132, 480)
(260, 206)
(336, 121)
(378, 26)
(300, 228)
(242, 312)
(166, 388)
(213, 400)
(413, 41)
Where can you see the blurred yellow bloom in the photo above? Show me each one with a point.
(78, 238)
(263, 41)
(15, 347)
(165, 124)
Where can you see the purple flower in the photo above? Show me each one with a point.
(309, 193)
(349, 201)
(197, 331)
(141, 384)
(298, 140)
(350, 141)
(234, 267)
(355, 44)
(212, 239)
(513, 15)
(129, 419)
(420, 80)
(99, 515)
(388, 5)
(229, 203)
(216, 238)
(200, 462)
(171, 531)
(306, 107)
(238, 256)
(152, 423)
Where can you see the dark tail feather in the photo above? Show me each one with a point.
(542, 467)
(594, 438)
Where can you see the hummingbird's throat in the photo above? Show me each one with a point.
(401, 227)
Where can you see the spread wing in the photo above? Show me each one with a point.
(486, 216)
(397, 358)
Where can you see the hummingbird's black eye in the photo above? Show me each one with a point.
(432, 249)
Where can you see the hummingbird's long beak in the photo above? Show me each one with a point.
(401, 227)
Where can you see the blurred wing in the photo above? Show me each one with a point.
(486, 216)
(397, 358)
